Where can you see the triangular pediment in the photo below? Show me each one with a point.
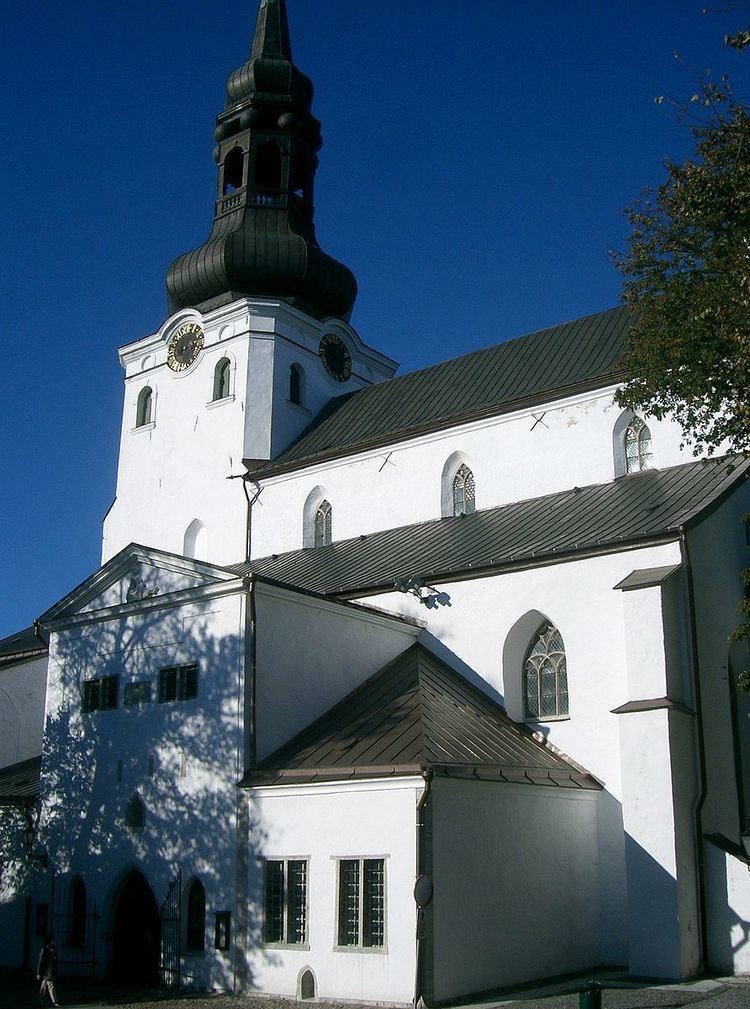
(135, 577)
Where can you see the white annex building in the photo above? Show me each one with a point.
(390, 650)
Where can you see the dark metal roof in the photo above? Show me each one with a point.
(542, 366)
(22, 645)
(643, 507)
(646, 578)
(418, 714)
(19, 783)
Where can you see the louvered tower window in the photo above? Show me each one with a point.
(463, 491)
(638, 453)
(322, 525)
(545, 675)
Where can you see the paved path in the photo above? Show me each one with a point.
(19, 992)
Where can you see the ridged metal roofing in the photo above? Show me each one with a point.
(546, 365)
(19, 783)
(22, 645)
(648, 506)
(417, 714)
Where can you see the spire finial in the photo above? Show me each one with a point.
(272, 31)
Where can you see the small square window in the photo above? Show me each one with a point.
(221, 931)
(361, 902)
(178, 683)
(100, 694)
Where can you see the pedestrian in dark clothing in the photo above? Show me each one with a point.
(46, 971)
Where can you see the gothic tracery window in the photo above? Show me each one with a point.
(545, 675)
(638, 452)
(463, 491)
(322, 525)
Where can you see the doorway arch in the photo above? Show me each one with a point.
(135, 932)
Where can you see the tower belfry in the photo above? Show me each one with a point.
(263, 241)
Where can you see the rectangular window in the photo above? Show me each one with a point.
(137, 693)
(221, 931)
(100, 694)
(361, 902)
(178, 683)
(285, 890)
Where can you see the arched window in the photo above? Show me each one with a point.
(267, 169)
(77, 911)
(195, 541)
(463, 491)
(234, 168)
(638, 453)
(322, 525)
(144, 410)
(296, 385)
(545, 675)
(195, 936)
(222, 378)
(306, 984)
(135, 814)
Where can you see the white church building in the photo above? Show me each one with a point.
(387, 687)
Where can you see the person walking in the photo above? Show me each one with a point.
(46, 971)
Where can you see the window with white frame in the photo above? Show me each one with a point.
(222, 379)
(638, 451)
(144, 413)
(361, 902)
(322, 525)
(545, 675)
(464, 502)
(285, 900)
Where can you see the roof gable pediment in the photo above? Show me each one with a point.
(136, 576)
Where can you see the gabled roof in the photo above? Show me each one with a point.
(19, 783)
(22, 645)
(417, 714)
(546, 365)
(644, 507)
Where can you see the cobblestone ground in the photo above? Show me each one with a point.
(19, 991)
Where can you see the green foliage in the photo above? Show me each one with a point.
(687, 277)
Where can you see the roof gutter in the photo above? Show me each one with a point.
(703, 793)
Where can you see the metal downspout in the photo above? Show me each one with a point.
(703, 794)
(420, 859)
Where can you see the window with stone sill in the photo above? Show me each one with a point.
(144, 413)
(285, 901)
(361, 903)
(545, 676)
(222, 379)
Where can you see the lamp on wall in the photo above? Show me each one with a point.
(30, 830)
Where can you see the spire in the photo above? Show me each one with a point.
(272, 31)
(263, 239)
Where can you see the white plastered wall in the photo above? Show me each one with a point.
(182, 759)
(516, 873)
(516, 456)
(310, 653)
(22, 688)
(476, 633)
(323, 823)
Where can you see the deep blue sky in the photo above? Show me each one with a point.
(477, 158)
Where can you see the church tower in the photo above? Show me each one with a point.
(258, 338)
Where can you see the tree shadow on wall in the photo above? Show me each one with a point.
(150, 786)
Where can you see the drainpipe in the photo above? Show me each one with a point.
(250, 648)
(700, 864)
(421, 860)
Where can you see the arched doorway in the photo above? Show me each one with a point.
(135, 933)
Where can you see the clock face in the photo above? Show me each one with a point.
(335, 356)
(184, 346)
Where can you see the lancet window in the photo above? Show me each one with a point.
(322, 525)
(464, 502)
(638, 452)
(545, 675)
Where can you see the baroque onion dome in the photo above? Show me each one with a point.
(263, 242)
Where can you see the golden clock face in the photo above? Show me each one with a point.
(185, 345)
(335, 356)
